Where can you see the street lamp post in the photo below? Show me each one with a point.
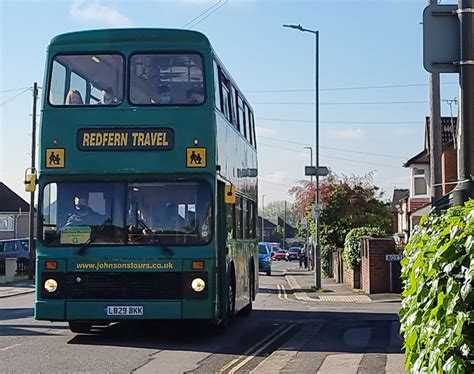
(317, 257)
(310, 159)
(263, 230)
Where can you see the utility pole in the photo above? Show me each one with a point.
(31, 242)
(284, 228)
(261, 216)
(465, 187)
(435, 134)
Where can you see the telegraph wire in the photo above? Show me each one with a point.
(331, 148)
(350, 88)
(15, 89)
(212, 9)
(203, 13)
(14, 97)
(332, 157)
(346, 103)
(344, 122)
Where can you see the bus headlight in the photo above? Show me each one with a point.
(198, 285)
(50, 285)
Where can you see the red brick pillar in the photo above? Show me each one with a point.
(375, 269)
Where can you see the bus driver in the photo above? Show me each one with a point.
(83, 214)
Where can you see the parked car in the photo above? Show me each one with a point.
(293, 253)
(264, 258)
(14, 248)
(279, 254)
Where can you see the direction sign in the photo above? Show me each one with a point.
(393, 257)
(441, 39)
(321, 171)
(304, 222)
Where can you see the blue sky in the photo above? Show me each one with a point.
(362, 44)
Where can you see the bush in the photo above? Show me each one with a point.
(437, 314)
(352, 243)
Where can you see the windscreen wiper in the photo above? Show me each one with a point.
(165, 248)
(94, 236)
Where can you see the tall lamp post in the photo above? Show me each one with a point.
(317, 257)
(263, 230)
(310, 159)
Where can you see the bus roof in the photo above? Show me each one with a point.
(129, 35)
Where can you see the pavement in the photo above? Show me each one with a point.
(16, 288)
(301, 282)
(302, 285)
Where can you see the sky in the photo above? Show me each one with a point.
(373, 87)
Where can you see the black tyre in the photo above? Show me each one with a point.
(249, 307)
(80, 327)
(269, 272)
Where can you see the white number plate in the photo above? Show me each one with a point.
(128, 310)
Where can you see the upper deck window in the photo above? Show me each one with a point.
(166, 79)
(86, 80)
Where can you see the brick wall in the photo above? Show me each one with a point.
(351, 276)
(449, 169)
(375, 270)
(337, 266)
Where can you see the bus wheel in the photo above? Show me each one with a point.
(230, 300)
(80, 327)
(246, 310)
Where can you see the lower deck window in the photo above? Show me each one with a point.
(152, 213)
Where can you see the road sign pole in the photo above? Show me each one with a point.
(465, 187)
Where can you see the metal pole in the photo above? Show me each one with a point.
(465, 188)
(317, 252)
(310, 159)
(31, 242)
(263, 205)
(317, 269)
(435, 134)
(284, 228)
(391, 277)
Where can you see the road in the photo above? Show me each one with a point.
(283, 334)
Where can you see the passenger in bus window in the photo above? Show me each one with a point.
(164, 94)
(74, 98)
(106, 97)
(195, 95)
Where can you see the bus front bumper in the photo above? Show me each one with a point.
(103, 310)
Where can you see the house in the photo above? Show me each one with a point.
(14, 214)
(410, 209)
(268, 229)
(399, 209)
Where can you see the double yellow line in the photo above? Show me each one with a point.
(282, 292)
(254, 351)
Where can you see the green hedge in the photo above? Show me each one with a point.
(437, 314)
(352, 243)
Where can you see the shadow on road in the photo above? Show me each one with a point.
(15, 313)
(339, 333)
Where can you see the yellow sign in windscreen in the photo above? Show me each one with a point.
(196, 157)
(75, 235)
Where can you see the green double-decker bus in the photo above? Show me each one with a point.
(147, 181)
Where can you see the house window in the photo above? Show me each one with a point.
(7, 223)
(419, 182)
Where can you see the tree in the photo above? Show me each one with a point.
(348, 202)
(275, 209)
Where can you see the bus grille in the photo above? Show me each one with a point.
(124, 285)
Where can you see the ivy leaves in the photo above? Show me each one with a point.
(437, 314)
(352, 243)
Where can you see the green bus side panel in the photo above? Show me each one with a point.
(199, 310)
(51, 310)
